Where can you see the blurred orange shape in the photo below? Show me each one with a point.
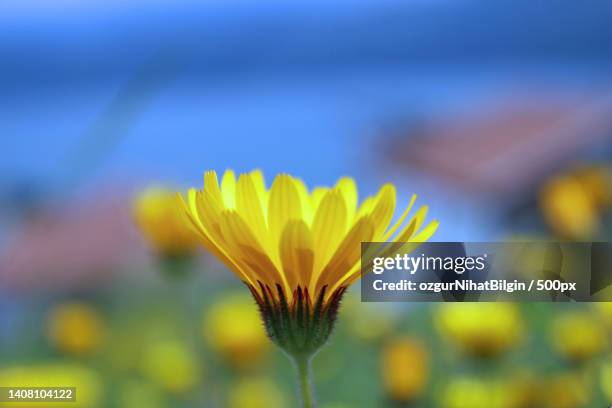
(233, 329)
(160, 221)
(405, 369)
(569, 209)
(579, 336)
(75, 328)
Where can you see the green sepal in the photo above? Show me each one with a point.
(299, 328)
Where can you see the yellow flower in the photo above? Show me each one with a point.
(169, 364)
(233, 329)
(405, 369)
(297, 250)
(475, 393)
(76, 328)
(255, 393)
(578, 336)
(604, 312)
(87, 382)
(572, 203)
(597, 181)
(155, 213)
(565, 391)
(481, 329)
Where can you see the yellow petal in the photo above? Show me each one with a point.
(407, 241)
(296, 252)
(305, 203)
(426, 232)
(406, 238)
(284, 205)
(228, 189)
(260, 186)
(328, 228)
(211, 185)
(249, 207)
(410, 229)
(411, 242)
(193, 222)
(192, 208)
(400, 220)
(346, 256)
(245, 249)
(317, 196)
(208, 212)
(366, 206)
(382, 211)
(347, 187)
(207, 209)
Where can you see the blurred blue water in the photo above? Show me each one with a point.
(259, 73)
(43, 45)
(103, 92)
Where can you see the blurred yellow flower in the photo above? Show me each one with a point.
(75, 328)
(405, 369)
(87, 382)
(297, 250)
(234, 330)
(597, 181)
(578, 336)
(157, 216)
(255, 393)
(171, 365)
(604, 312)
(565, 391)
(465, 392)
(481, 329)
(572, 203)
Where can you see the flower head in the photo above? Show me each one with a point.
(573, 204)
(255, 392)
(569, 210)
(603, 310)
(171, 365)
(475, 392)
(481, 329)
(241, 344)
(579, 336)
(75, 328)
(405, 369)
(296, 249)
(155, 213)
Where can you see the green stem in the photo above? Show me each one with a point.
(302, 364)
